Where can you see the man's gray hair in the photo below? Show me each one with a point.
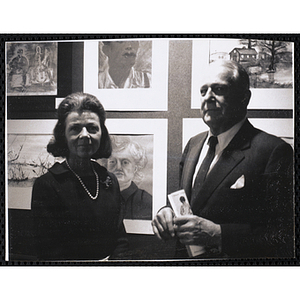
(239, 76)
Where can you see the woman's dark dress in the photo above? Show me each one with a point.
(68, 224)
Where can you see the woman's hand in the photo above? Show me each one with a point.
(163, 225)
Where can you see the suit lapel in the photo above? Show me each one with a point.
(229, 159)
(226, 163)
(191, 162)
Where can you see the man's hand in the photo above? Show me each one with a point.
(163, 225)
(194, 230)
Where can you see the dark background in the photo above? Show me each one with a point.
(70, 79)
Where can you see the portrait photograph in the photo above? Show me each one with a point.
(144, 141)
(128, 75)
(125, 64)
(147, 143)
(132, 163)
(31, 69)
(153, 150)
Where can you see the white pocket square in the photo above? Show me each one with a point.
(239, 183)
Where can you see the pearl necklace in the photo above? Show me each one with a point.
(83, 185)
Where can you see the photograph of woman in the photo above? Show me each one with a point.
(77, 206)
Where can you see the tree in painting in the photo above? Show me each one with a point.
(27, 158)
(274, 48)
(268, 62)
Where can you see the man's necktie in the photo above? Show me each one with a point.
(201, 175)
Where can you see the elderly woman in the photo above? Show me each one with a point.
(127, 161)
(77, 205)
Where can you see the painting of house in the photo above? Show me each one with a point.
(243, 55)
(268, 63)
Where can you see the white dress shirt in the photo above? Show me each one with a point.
(135, 79)
(223, 140)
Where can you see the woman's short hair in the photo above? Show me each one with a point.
(78, 102)
(138, 153)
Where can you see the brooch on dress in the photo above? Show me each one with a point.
(107, 182)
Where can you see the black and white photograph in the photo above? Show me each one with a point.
(139, 161)
(125, 64)
(128, 75)
(132, 163)
(180, 204)
(181, 207)
(31, 69)
(90, 165)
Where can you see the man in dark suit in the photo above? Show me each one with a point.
(239, 184)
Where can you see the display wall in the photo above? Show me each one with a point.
(169, 112)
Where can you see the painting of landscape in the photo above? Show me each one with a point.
(269, 63)
(27, 159)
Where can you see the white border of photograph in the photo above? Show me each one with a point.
(260, 99)
(154, 98)
(278, 127)
(157, 127)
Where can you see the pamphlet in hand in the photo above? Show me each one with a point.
(181, 207)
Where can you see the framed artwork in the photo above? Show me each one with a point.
(149, 137)
(132, 163)
(268, 63)
(283, 128)
(31, 68)
(26, 158)
(127, 75)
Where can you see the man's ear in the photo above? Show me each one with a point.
(246, 98)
